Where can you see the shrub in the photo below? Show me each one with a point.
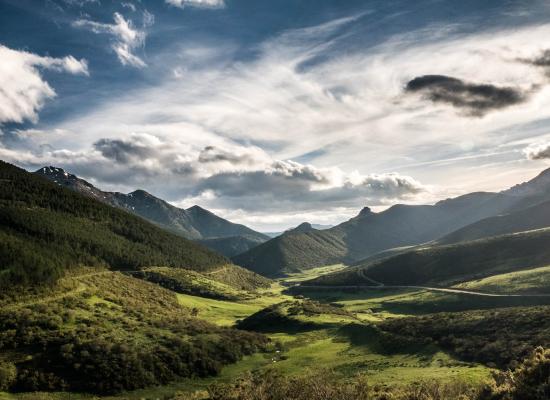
(8, 375)
(530, 381)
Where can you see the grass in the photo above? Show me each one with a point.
(323, 349)
(226, 313)
(532, 281)
(313, 273)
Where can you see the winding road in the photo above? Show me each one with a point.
(380, 285)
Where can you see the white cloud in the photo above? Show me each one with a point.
(129, 5)
(218, 176)
(127, 38)
(23, 91)
(197, 3)
(538, 151)
(305, 97)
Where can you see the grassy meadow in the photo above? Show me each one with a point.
(313, 329)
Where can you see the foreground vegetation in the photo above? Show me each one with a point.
(528, 381)
(103, 332)
(100, 331)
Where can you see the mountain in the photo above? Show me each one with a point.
(535, 217)
(401, 225)
(194, 223)
(210, 226)
(319, 227)
(46, 229)
(530, 193)
(304, 227)
(291, 252)
(445, 264)
(232, 245)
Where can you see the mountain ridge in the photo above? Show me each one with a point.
(401, 225)
(195, 223)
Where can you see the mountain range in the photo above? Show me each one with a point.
(471, 216)
(193, 223)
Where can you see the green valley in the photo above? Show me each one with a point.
(98, 303)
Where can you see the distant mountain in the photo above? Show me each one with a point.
(399, 226)
(447, 264)
(291, 252)
(272, 234)
(193, 223)
(232, 245)
(535, 217)
(535, 191)
(46, 229)
(319, 227)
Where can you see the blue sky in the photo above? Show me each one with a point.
(275, 112)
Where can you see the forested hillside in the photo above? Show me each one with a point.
(46, 229)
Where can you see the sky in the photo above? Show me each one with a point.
(275, 112)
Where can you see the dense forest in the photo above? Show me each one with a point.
(45, 229)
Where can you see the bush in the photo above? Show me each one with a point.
(328, 386)
(8, 375)
(530, 381)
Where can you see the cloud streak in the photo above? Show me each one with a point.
(237, 177)
(127, 38)
(197, 3)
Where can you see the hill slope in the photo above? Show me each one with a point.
(192, 223)
(46, 229)
(401, 225)
(464, 261)
(104, 332)
(291, 252)
(232, 245)
(531, 218)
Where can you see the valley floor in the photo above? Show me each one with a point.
(340, 338)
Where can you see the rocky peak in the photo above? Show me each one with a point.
(365, 212)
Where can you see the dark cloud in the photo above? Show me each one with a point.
(538, 151)
(281, 191)
(543, 60)
(144, 155)
(475, 99)
(211, 154)
(121, 151)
